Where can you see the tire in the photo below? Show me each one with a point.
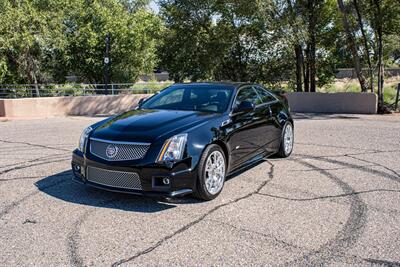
(202, 191)
(285, 152)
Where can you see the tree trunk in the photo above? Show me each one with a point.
(312, 45)
(313, 69)
(380, 70)
(31, 70)
(353, 46)
(312, 51)
(366, 46)
(299, 67)
(378, 25)
(35, 82)
(297, 48)
(306, 71)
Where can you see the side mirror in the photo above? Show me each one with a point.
(244, 107)
(141, 102)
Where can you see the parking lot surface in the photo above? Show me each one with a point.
(334, 202)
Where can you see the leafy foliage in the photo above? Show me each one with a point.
(134, 37)
(243, 40)
(30, 36)
(48, 39)
(275, 42)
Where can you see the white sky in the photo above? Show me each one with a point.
(153, 5)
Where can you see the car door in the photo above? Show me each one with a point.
(245, 128)
(272, 130)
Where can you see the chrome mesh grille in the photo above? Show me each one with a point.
(119, 179)
(124, 151)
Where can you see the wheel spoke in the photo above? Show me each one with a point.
(288, 139)
(215, 172)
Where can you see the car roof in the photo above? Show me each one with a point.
(227, 84)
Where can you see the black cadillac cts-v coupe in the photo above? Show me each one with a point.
(185, 139)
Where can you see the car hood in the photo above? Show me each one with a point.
(149, 125)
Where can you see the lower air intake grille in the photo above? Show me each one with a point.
(119, 179)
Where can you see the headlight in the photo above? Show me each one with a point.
(84, 136)
(173, 148)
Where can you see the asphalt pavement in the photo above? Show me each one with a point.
(334, 202)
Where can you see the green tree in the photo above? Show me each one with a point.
(30, 34)
(190, 44)
(242, 40)
(221, 40)
(134, 34)
(44, 40)
(378, 30)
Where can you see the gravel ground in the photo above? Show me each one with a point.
(334, 202)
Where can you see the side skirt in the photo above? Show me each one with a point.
(254, 161)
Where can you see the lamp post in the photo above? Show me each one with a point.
(107, 64)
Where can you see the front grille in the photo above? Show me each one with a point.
(119, 179)
(118, 151)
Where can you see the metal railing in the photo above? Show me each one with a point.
(78, 89)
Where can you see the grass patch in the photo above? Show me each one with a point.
(389, 94)
(150, 87)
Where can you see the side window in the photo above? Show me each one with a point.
(247, 94)
(265, 95)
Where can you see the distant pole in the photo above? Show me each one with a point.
(107, 64)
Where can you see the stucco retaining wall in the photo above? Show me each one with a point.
(2, 110)
(361, 103)
(65, 106)
(357, 103)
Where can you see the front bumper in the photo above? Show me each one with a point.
(180, 176)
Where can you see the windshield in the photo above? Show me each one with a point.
(196, 98)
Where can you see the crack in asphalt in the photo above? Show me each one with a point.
(343, 201)
(20, 178)
(384, 263)
(337, 200)
(334, 146)
(30, 165)
(332, 169)
(201, 218)
(73, 237)
(331, 196)
(355, 154)
(72, 242)
(34, 145)
(377, 164)
(353, 166)
(33, 160)
(267, 236)
(14, 204)
(346, 237)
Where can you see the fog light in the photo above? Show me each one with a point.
(77, 168)
(165, 180)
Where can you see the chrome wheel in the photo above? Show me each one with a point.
(215, 172)
(288, 139)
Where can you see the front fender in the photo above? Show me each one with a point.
(200, 137)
